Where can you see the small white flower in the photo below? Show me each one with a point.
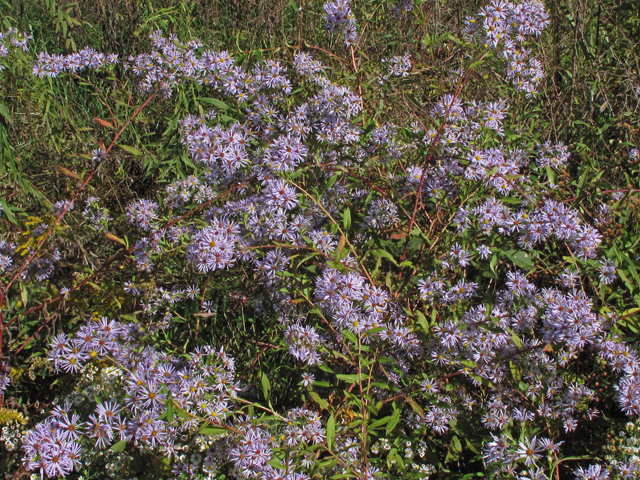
(307, 379)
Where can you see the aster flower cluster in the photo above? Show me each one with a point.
(271, 184)
(181, 192)
(465, 125)
(484, 343)
(505, 453)
(304, 343)
(385, 143)
(166, 66)
(272, 214)
(13, 38)
(398, 66)
(142, 390)
(62, 205)
(593, 472)
(433, 287)
(202, 386)
(214, 247)
(608, 272)
(86, 59)
(359, 307)
(7, 251)
(339, 16)
(142, 213)
(97, 216)
(554, 156)
(495, 167)
(157, 302)
(506, 26)
(552, 220)
(382, 213)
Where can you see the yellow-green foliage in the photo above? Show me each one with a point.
(8, 415)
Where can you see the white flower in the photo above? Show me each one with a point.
(307, 379)
(529, 451)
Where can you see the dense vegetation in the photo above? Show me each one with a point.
(308, 239)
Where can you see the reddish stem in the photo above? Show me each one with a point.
(428, 159)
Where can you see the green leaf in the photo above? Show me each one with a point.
(416, 408)
(348, 378)
(320, 401)
(383, 253)
(514, 371)
(227, 118)
(5, 113)
(214, 101)
(346, 218)
(7, 211)
(583, 178)
(623, 275)
(422, 320)
(373, 331)
(455, 39)
(391, 456)
(632, 267)
(169, 404)
(213, 431)
(551, 174)
(489, 274)
(399, 461)
(379, 423)
(515, 338)
(331, 181)
(119, 447)
(266, 386)
(349, 335)
(493, 262)
(475, 64)
(131, 150)
(520, 259)
(472, 447)
(331, 431)
(456, 446)
(183, 414)
(393, 421)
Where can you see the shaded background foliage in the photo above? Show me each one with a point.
(589, 101)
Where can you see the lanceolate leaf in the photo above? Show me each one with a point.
(331, 431)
